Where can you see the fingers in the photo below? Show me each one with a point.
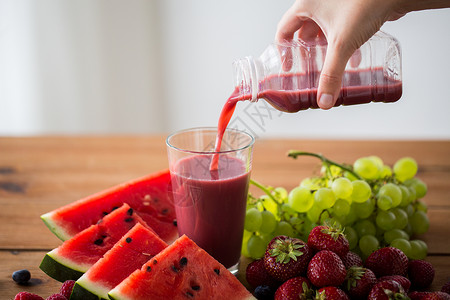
(331, 77)
(288, 25)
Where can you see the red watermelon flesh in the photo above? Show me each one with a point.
(83, 250)
(149, 196)
(181, 271)
(133, 250)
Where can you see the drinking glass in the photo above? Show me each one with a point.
(210, 203)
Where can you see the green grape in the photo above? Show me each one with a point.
(287, 210)
(418, 186)
(401, 218)
(377, 160)
(256, 247)
(267, 237)
(412, 194)
(365, 227)
(406, 196)
(419, 222)
(352, 216)
(418, 250)
(408, 229)
(300, 199)
(405, 168)
(324, 198)
(384, 202)
(366, 168)
(342, 187)
(280, 193)
(253, 220)
(296, 223)
(385, 172)
(393, 191)
(350, 176)
(260, 206)
(409, 210)
(269, 204)
(269, 223)
(284, 228)
(341, 208)
(361, 191)
(313, 213)
(394, 234)
(245, 237)
(421, 206)
(352, 237)
(310, 183)
(324, 216)
(403, 245)
(385, 220)
(368, 244)
(365, 209)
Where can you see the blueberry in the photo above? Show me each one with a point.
(21, 276)
(264, 292)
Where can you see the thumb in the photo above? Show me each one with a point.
(331, 77)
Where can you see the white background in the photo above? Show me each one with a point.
(139, 67)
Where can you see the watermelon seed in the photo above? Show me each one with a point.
(189, 294)
(128, 220)
(98, 242)
(175, 269)
(195, 287)
(217, 271)
(114, 208)
(183, 261)
(149, 268)
(165, 211)
(175, 223)
(156, 200)
(155, 261)
(104, 236)
(104, 213)
(100, 221)
(128, 240)
(130, 211)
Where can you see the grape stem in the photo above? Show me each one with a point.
(264, 189)
(294, 154)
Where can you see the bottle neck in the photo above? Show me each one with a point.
(247, 78)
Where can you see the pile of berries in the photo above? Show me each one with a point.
(324, 268)
(64, 293)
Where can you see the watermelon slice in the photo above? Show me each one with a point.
(75, 256)
(129, 254)
(149, 196)
(181, 271)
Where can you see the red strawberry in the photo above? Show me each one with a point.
(56, 297)
(420, 273)
(352, 259)
(328, 238)
(359, 282)
(331, 293)
(387, 261)
(403, 281)
(446, 288)
(27, 296)
(326, 269)
(295, 288)
(66, 288)
(286, 257)
(429, 296)
(386, 290)
(257, 275)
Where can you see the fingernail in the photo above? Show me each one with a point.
(326, 101)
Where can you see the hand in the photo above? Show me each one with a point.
(345, 24)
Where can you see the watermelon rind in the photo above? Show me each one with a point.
(79, 292)
(56, 229)
(57, 269)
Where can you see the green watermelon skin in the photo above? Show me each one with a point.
(129, 254)
(75, 256)
(149, 195)
(181, 271)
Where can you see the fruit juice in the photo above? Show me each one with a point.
(210, 205)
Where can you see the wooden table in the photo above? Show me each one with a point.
(39, 174)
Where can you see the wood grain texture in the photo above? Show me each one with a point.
(39, 174)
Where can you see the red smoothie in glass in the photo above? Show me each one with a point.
(211, 208)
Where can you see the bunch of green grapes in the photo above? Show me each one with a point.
(377, 205)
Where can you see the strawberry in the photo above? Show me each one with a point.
(429, 296)
(66, 288)
(352, 259)
(359, 282)
(331, 293)
(403, 281)
(27, 296)
(328, 238)
(296, 288)
(257, 275)
(286, 257)
(446, 288)
(386, 290)
(56, 297)
(387, 261)
(326, 269)
(420, 273)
